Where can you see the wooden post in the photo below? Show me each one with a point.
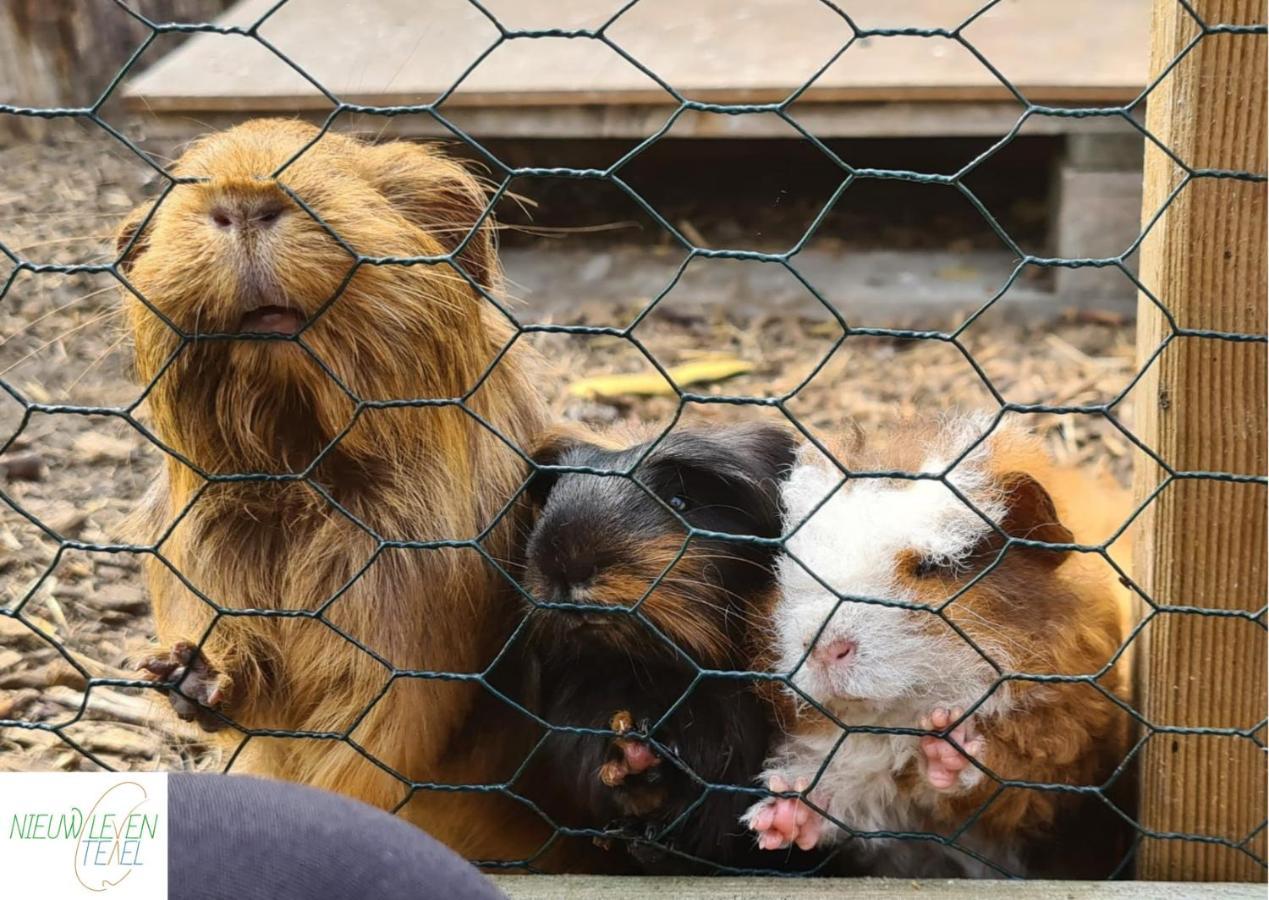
(1202, 407)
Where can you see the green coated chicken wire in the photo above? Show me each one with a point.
(787, 260)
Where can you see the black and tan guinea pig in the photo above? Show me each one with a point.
(629, 613)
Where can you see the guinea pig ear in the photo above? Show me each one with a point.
(443, 198)
(769, 449)
(772, 451)
(1032, 515)
(547, 452)
(750, 459)
(125, 234)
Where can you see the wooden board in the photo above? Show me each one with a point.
(569, 887)
(906, 119)
(394, 52)
(1201, 405)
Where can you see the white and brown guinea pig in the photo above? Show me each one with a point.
(932, 669)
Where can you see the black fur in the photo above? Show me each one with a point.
(583, 666)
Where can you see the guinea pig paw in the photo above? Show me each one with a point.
(193, 686)
(946, 767)
(781, 822)
(626, 756)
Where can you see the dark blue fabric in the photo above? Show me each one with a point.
(239, 838)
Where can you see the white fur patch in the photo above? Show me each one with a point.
(901, 669)
(852, 543)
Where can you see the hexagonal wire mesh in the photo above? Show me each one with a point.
(613, 175)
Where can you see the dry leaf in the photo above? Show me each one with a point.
(652, 384)
(958, 273)
(12, 628)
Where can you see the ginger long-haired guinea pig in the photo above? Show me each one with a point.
(940, 681)
(272, 350)
(631, 611)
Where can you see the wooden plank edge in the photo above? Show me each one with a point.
(1042, 94)
(565, 887)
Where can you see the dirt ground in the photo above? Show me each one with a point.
(61, 343)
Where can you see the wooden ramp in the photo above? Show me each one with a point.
(399, 52)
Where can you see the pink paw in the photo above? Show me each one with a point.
(626, 756)
(780, 822)
(944, 764)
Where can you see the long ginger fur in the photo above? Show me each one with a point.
(387, 332)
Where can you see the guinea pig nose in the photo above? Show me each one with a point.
(837, 652)
(579, 569)
(267, 211)
(223, 217)
(258, 212)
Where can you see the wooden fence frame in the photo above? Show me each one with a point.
(1202, 408)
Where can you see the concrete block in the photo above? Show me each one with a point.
(1098, 215)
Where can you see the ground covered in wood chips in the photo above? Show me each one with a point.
(61, 343)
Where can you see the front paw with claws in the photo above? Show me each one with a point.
(632, 769)
(193, 686)
(782, 822)
(626, 756)
(944, 766)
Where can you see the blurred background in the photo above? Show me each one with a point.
(885, 249)
(870, 90)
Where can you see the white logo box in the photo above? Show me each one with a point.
(84, 835)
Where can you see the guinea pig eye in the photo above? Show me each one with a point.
(679, 503)
(926, 566)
